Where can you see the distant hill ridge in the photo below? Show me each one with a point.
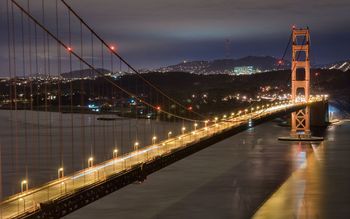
(263, 63)
(84, 73)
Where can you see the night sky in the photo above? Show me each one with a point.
(154, 33)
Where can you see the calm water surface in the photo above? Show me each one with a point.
(248, 175)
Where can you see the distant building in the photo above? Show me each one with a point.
(245, 70)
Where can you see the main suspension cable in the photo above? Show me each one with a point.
(93, 68)
(126, 63)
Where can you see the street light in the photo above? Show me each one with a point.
(183, 129)
(195, 126)
(24, 185)
(115, 153)
(60, 173)
(136, 146)
(90, 162)
(154, 138)
(169, 134)
(216, 119)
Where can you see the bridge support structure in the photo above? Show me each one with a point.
(301, 119)
(300, 50)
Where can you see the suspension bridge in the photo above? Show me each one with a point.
(77, 158)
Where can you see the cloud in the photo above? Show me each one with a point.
(157, 32)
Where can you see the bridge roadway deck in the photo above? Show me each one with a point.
(34, 200)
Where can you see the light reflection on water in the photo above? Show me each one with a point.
(300, 196)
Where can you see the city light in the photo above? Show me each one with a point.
(169, 134)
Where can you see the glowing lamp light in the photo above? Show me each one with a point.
(115, 153)
(183, 129)
(69, 49)
(24, 185)
(60, 172)
(112, 48)
(154, 138)
(190, 108)
(90, 161)
(280, 62)
(158, 108)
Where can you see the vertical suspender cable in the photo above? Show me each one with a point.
(59, 92)
(24, 100)
(9, 44)
(15, 91)
(71, 95)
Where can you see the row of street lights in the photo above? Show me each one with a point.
(60, 172)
